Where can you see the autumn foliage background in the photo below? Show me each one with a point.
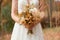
(50, 24)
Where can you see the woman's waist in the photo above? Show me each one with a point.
(24, 26)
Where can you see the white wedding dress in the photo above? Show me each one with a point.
(20, 32)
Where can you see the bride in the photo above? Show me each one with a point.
(19, 31)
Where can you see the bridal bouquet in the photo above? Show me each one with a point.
(29, 19)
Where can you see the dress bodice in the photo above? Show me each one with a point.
(22, 3)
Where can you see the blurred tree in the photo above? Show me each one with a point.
(6, 18)
(5, 2)
(6, 21)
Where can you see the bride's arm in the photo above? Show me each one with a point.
(42, 5)
(14, 10)
(42, 8)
